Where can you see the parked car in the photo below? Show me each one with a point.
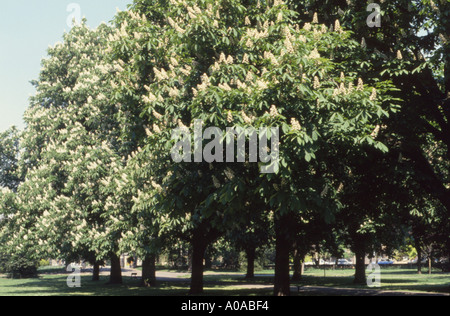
(385, 262)
(314, 262)
(344, 262)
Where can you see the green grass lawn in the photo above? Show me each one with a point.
(52, 282)
(392, 279)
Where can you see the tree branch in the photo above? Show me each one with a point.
(427, 177)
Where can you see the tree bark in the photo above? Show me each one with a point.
(429, 265)
(96, 272)
(360, 267)
(317, 260)
(208, 260)
(116, 270)
(149, 271)
(447, 64)
(298, 266)
(419, 258)
(251, 255)
(283, 248)
(190, 261)
(198, 254)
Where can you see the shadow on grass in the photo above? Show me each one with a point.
(52, 282)
(56, 285)
(406, 282)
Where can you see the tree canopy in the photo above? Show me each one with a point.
(356, 118)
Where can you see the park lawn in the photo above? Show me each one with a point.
(52, 282)
(392, 279)
(55, 285)
(409, 280)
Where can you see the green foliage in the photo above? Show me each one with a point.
(9, 155)
(95, 175)
(69, 151)
(18, 266)
(231, 64)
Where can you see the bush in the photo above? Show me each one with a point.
(44, 263)
(3, 262)
(231, 259)
(444, 265)
(19, 267)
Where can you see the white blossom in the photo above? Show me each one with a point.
(295, 124)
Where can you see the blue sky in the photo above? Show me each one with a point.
(27, 28)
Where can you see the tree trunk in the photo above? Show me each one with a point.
(251, 255)
(96, 272)
(134, 266)
(419, 258)
(198, 254)
(149, 271)
(190, 260)
(208, 260)
(429, 265)
(116, 271)
(317, 260)
(360, 267)
(283, 248)
(298, 266)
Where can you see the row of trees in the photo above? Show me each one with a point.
(363, 153)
